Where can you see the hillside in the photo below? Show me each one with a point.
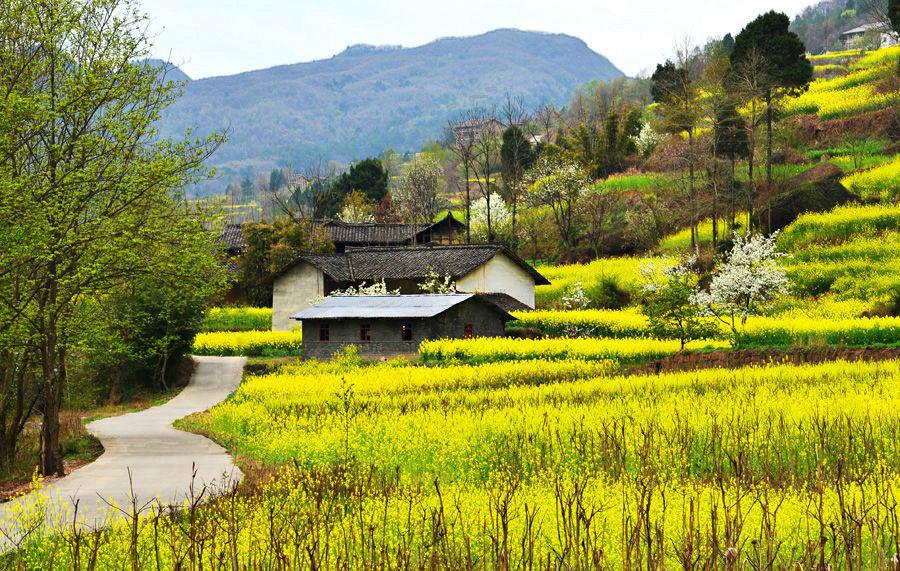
(367, 99)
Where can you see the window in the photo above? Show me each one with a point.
(364, 332)
(406, 332)
(324, 332)
(469, 331)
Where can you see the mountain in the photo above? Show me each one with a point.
(370, 98)
(173, 72)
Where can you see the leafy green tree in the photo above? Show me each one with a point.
(272, 246)
(787, 70)
(419, 190)
(557, 183)
(367, 176)
(85, 183)
(669, 303)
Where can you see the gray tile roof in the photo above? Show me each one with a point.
(409, 263)
(382, 306)
(382, 234)
(232, 238)
(372, 233)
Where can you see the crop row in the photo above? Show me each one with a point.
(759, 331)
(445, 351)
(248, 343)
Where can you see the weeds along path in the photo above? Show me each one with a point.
(145, 459)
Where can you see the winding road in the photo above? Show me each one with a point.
(144, 455)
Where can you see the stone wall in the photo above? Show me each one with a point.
(386, 334)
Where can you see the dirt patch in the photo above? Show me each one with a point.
(868, 125)
(734, 359)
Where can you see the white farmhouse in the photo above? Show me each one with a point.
(490, 270)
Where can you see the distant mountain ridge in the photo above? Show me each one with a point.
(370, 98)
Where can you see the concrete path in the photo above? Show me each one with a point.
(161, 459)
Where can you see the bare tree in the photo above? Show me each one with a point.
(486, 128)
(546, 117)
(748, 82)
(307, 195)
(461, 142)
(515, 155)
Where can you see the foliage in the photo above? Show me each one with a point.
(357, 208)
(249, 343)
(91, 194)
(558, 184)
(237, 319)
(669, 294)
(367, 176)
(417, 193)
(271, 247)
(784, 52)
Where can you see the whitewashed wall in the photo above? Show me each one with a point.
(292, 292)
(500, 275)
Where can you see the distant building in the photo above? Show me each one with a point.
(853, 39)
(483, 269)
(389, 325)
(475, 128)
(355, 234)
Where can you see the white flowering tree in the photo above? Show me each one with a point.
(500, 218)
(748, 281)
(575, 298)
(375, 288)
(437, 284)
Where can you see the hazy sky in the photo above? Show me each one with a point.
(219, 37)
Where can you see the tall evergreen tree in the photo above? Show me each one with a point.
(367, 176)
(788, 71)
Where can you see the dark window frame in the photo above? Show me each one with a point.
(324, 332)
(406, 332)
(365, 332)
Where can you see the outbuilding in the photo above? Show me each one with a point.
(390, 325)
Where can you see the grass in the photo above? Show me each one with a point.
(237, 319)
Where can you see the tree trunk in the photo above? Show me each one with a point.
(53, 365)
(468, 204)
(769, 160)
(693, 198)
(750, 160)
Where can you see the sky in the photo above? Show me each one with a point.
(222, 37)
